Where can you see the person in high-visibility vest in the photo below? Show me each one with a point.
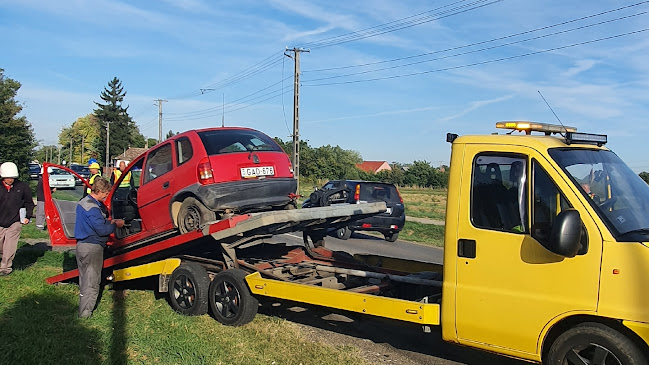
(126, 183)
(94, 172)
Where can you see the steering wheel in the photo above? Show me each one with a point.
(608, 203)
(132, 196)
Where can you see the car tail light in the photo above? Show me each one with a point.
(367, 225)
(290, 167)
(400, 198)
(394, 226)
(204, 170)
(357, 193)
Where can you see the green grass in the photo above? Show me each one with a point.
(64, 195)
(424, 202)
(39, 326)
(30, 231)
(423, 233)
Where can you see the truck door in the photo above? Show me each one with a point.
(508, 286)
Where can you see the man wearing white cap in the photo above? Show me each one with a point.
(14, 194)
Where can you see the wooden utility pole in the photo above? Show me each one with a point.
(107, 145)
(160, 101)
(296, 113)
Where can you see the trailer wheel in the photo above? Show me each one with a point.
(594, 343)
(230, 300)
(343, 233)
(188, 289)
(192, 215)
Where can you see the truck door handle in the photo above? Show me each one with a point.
(165, 184)
(466, 248)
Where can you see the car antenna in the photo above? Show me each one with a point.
(555, 114)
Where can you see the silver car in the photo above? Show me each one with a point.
(61, 179)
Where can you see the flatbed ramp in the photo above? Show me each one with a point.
(241, 229)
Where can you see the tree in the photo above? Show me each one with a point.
(17, 140)
(644, 176)
(124, 133)
(170, 134)
(85, 129)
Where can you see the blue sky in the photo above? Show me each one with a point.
(478, 67)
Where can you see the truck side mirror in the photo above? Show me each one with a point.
(565, 238)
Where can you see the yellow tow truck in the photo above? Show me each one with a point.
(545, 255)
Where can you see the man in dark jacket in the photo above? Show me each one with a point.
(92, 228)
(14, 194)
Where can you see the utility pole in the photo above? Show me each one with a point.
(70, 161)
(107, 145)
(82, 138)
(58, 163)
(160, 101)
(296, 113)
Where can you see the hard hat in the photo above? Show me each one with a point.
(93, 165)
(9, 169)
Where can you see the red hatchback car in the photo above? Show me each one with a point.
(192, 178)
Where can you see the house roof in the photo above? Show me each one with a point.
(371, 166)
(130, 154)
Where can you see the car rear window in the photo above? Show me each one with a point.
(233, 140)
(379, 192)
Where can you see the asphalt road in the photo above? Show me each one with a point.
(389, 341)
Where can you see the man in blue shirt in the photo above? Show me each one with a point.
(92, 228)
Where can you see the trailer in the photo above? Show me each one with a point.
(228, 263)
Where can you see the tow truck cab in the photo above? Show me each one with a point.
(545, 253)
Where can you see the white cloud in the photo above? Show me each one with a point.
(580, 66)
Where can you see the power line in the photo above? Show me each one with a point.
(478, 43)
(481, 49)
(399, 24)
(481, 63)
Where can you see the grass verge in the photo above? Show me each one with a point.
(30, 231)
(40, 326)
(423, 233)
(64, 195)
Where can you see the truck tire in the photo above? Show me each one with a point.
(192, 215)
(594, 343)
(188, 289)
(343, 233)
(391, 236)
(231, 302)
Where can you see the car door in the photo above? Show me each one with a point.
(508, 286)
(154, 195)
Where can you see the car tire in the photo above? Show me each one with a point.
(391, 236)
(192, 215)
(594, 340)
(188, 289)
(343, 233)
(231, 302)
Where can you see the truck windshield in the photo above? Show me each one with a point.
(618, 194)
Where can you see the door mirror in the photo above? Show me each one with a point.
(565, 238)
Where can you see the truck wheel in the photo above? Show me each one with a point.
(230, 300)
(192, 215)
(594, 343)
(391, 236)
(343, 233)
(188, 288)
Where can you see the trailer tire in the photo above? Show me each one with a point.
(231, 302)
(192, 215)
(343, 233)
(188, 289)
(588, 341)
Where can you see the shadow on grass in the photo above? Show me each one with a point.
(404, 336)
(44, 329)
(118, 335)
(27, 255)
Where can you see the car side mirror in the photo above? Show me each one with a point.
(565, 237)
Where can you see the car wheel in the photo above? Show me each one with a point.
(230, 299)
(343, 233)
(192, 215)
(594, 343)
(188, 289)
(391, 236)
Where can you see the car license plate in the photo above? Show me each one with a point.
(249, 172)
